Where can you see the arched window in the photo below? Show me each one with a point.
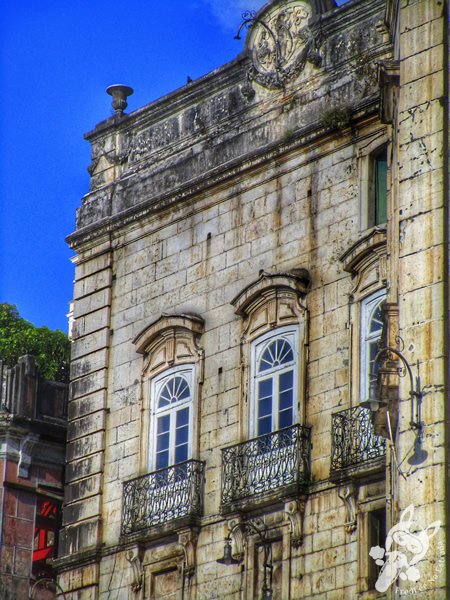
(371, 329)
(171, 436)
(172, 377)
(274, 378)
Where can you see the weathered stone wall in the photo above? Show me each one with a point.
(192, 198)
(419, 199)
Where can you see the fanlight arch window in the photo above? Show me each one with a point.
(371, 330)
(171, 435)
(274, 367)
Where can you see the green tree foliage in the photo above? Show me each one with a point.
(19, 337)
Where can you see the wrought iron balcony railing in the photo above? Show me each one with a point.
(354, 442)
(163, 496)
(264, 464)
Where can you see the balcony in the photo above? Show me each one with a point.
(173, 496)
(356, 450)
(260, 470)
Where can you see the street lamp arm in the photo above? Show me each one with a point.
(415, 389)
(47, 580)
(389, 350)
(251, 527)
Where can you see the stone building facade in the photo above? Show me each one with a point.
(33, 423)
(260, 252)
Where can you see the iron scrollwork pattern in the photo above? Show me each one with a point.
(163, 496)
(353, 439)
(266, 463)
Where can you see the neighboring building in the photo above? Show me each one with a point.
(33, 424)
(248, 244)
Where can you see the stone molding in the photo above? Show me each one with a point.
(273, 300)
(134, 557)
(187, 539)
(171, 340)
(347, 493)
(366, 260)
(295, 513)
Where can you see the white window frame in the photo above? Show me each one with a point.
(368, 307)
(156, 384)
(258, 346)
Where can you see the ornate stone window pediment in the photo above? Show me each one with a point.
(170, 340)
(273, 300)
(366, 261)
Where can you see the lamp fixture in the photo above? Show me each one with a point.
(374, 402)
(227, 558)
(258, 527)
(416, 394)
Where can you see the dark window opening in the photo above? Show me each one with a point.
(378, 189)
(376, 537)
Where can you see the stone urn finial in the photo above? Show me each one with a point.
(120, 94)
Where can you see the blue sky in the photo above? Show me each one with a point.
(57, 57)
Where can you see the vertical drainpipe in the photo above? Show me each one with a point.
(446, 113)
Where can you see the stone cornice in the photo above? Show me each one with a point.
(176, 101)
(314, 133)
(231, 73)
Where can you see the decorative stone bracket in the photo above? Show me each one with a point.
(236, 532)
(187, 539)
(295, 512)
(347, 493)
(389, 80)
(134, 557)
(26, 450)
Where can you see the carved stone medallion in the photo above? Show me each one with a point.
(281, 43)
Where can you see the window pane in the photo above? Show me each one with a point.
(284, 352)
(286, 381)
(380, 188)
(279, 352)
(163, 401)
(267, 359)
(286, 400)
(163, 424)
(181, 389)
(182, 436)
(162, 459)
(376, 323)
(174, 390)
(181, 453)
(264, 425)
(265, 407)
(373, 368)
(265, 388)
(162, 442)
(182, 417)
(286, 418)
(265, 397)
